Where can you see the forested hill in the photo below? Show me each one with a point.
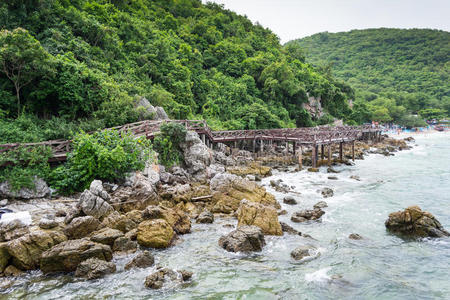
(410, 66)
(91, 59)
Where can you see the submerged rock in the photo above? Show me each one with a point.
(157, 279)
(243, 239)
(289, 200)
(94, 268)
(66, 256)
(327, 192)
(307, 215)
(320, 204)
(289, 230)
(355, 236)
(155, 233)
(265, 217)
(205, 217)
(141, 260)
(413, 222)
(301, 252)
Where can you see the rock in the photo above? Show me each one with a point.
(282, 212)
(161, 114)
(327, 192)
(106, 236)
(197, 156)
(185, 275)
(4, 256)
(320, 204)
(304, 251)
(332, 178)
(97, 189)
(243, 239)
(279, 186)
(94, 268)
(177, 218)
(288, 229)
(132, 234)
(4, 202)
(413, 222)
(307, 215)
(314, 170)
(124, 245)
(66, 256)
(409, 139)
(93, 205)
(253, 168)
(26, 250)
(289, 200)
(205, 217)
(141, 260)
(81, 227)
(40, 190)
(155, 233)
(157, 279)
(265, 217)
(355, 177)
(72, 214)
(355, 236)
(45, 223)
(12, 230)
(120, 222)
(331, 170)
(12, 271)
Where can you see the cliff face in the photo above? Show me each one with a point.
(314, 107)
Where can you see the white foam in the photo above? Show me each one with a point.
(23, 216)
(318, 276)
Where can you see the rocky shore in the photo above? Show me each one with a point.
(153, 209)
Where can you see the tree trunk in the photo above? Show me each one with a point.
(18, 100)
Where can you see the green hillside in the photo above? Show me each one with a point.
(399, 69)
(82, 64)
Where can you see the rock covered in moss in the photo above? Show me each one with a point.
(265, 217)
(156, 233)
(94, 268)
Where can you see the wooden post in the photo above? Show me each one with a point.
(262, 146)
(287, 148)
(353, 150)
(329, 155)
(322, 152)
(295, 146)
(204, 138)
(300, 158)
(235, 144)
(341, 144)
(313, 156)
(254, 145)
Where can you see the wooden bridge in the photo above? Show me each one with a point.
(253, 140)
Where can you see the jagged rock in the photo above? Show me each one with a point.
(161, 114)
(320, 204)
(138, 191)
(205, 217)
(81, 227)
(93, 205)
(331, 170)
(327, 192)
(289, 200)
(13, 230)
(141, 260)
(156, 233)
(72, 214)
(157, 279)
(66, 256)
(229, 190)
(265, 217)
(94, 268)
(106, 236)
(282, 212)
(125, 245)
(186, 275)
(355, 177)
(304, 251)
(243, 239)
(253, 168)
(45, 223)
(132, 234)
(197, 156)
(40, 190)
(4, 256)
(120, 222)
(97, 189)
(288, 229)
(413, 222)
(279, 186)
(178, 219)
(3, 202)
(355, 236)
(12, 271)
(307, 215)
(26, 250)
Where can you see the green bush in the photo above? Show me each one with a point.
(23, 164)
(106, 155)
(167, 144)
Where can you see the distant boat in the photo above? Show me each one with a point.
(439, 128)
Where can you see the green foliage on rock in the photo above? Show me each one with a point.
(167, 144)
(395, 71)
(106, 155)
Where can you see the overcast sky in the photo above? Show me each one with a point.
(292, 19)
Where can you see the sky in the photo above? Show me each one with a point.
(293, 19)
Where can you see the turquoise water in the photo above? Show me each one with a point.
(381, 266)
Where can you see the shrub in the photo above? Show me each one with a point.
(107, 155)
(167, 144)
(23, 164)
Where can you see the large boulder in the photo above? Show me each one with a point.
(156, 233)
(142, 260)
(178, 219)
(229, 190)
(81, 227)
(120, 222)
(94, 268)
(26, 250)
(4, 256)
(66, 256)
(106, 236)
(93, 205)
(162, 276)
(197, 156)
(40, 190)
(413, 222)
(302, 252)
(125, 245)
(138, 192)
(307, 215)
(243, 239)
(265, 217)
(253, 168)
(206, 217)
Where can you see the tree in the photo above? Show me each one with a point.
(22, 58)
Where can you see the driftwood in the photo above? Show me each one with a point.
(201, 198)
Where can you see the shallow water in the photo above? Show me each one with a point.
(381, 266)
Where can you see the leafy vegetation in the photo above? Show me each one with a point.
(85, 61)
(106, 155)
(395, 72)
(167, 144)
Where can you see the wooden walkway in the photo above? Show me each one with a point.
(298, 137)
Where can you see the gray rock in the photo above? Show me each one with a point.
(4, 202)
(124, 244)
(289, 230)
(40, 190)
(332, 178)
(45, 223)
(157, 279)
(81, 227)
(97, 189)
(205, 217)
(161, 114)
(149, 110)
(301, 252)
(94, 268)
(141, 260)
(243, 239)
(106, 236)
(289, 200)
(197, 156)
(320, 204)
(355, 236)
(93, 205)
(327, 192)
(355, 177)
(307, 215)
